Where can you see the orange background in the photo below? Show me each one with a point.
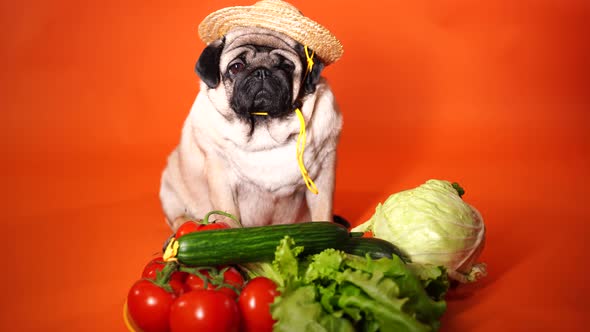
(492, 94)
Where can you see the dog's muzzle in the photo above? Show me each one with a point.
(262, 92)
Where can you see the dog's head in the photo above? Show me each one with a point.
(255, 71)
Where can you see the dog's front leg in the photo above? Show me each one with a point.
(222, 193)
(320, 205)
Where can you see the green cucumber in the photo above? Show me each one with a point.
(376, 248)
(255, 244)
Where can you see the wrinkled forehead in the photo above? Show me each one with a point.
(239, 39)
(258, 36)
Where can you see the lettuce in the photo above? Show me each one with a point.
(335, 291)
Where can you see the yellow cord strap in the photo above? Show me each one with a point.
(300, 149)
(301, 139)
(310, 62)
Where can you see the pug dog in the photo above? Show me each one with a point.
(237, 151)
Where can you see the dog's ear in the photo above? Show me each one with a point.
(208, 64)
(312, 78)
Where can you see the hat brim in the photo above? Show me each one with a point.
(302, 29)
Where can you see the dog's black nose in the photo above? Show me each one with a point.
(261, 73)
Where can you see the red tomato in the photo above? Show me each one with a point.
(191, 226)
(179, 275)
(177, 278)
(149, 306)
(231, 276)
(195, 282)
(204, 310)
(177, 282)
(187, 227)
(151, 268)
(217, 225)
(254, 303)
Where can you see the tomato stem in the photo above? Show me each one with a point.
(214, 276)
(195, 270)
(205, 220)
(163, 276)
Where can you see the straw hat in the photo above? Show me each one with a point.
(275, 15)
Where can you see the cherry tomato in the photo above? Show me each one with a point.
(217, 225)
(149, 306)
(179, 275)
(178, 283)
(187, 227)
(231, 276)
(204, 310)
(194, 282)
(177, 279)
(191, 226)
(254, 303)
(151, 269)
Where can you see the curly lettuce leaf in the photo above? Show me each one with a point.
(433, 278)
(298, 311)
(379, 316)
(324, 266)
(262, 269)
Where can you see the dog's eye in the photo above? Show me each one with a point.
(288, 66)
(236, 68)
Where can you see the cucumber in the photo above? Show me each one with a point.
(255, 244)
(376, 248)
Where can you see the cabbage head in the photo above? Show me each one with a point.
(433, 225)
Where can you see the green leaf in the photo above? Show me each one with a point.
(335, 291)
(286, 262)
(460, 190)
(386, 319)
(419, 303)
(328, 295)
(263, 269)
(324, 266)
(298, 311)
(434, 279)
(382, 290)
(416, 301)
(336, 324)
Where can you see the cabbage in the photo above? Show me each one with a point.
(433, 225)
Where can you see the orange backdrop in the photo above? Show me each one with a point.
(492, 94)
